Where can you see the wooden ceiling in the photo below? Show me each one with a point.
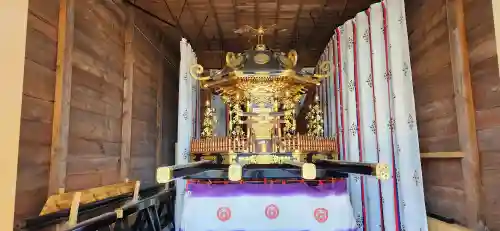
(209, 24)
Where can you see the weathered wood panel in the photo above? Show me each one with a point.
(486, 90)
(37, 108)
(147, 73)
(435, 106)
(94, 141)
(96, 97)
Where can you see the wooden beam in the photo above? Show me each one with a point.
(219, 29)
(441, 155)
(321, 14)
(198, 25)
(496, 18)
(159, 114)
(296, 25)
(217, 22)
(176, 19)
(276, 18)
(62, 98)
(257, 14)
(13, 20)
(465, 111)
(437, 225)
(242, 41)
(128, 89)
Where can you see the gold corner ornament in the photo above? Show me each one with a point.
(309, 171)
(164, 174)
(382, 171)
(235, 172)
(234, 60)
(323, 69)
(195, 70)
(293, 56)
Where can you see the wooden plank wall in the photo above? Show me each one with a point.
(96, 96)
(435, 106)
(486, 91)
(147, 70)
(94, 141)
(37, 107)
(433, 84)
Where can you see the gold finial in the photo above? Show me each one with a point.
(257, 32)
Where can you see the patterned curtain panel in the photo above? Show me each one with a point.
(369, 97)
(268, 207)
(188, 114)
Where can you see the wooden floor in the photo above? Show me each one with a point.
(437, 225)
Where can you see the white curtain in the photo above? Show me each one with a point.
(370, 99)
(187, 114)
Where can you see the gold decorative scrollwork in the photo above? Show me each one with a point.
(323, 69)
(317, 157)
(234, 60)
(264, 159)
(196, 70)
(261, 58)
(248, 159)
(281, 159)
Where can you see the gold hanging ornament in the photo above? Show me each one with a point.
(290, 124)
(208, 121)
(235, 120)
(315, 119)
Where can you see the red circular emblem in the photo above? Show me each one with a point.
(224, 214)
(321, 215)
(272, 211)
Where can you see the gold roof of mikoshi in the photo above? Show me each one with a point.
(259, 74)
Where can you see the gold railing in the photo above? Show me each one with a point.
(279, 144)
(306, 144)
(222, 145)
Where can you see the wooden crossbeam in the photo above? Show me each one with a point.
(296, 24)
(216, 17)
(276, 18)
(256, 14)
(441, 155)
(178, 25)
(465, 111)
(197, 24)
